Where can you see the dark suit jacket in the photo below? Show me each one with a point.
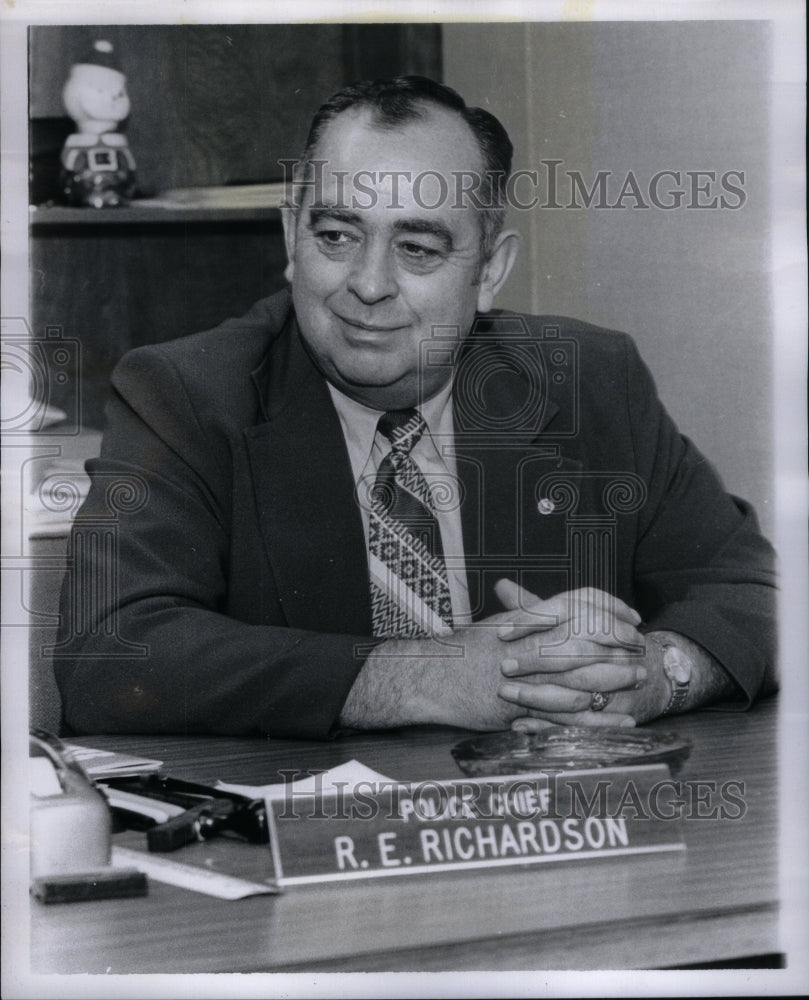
(219, 579)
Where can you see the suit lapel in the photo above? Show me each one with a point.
(304, 492)
(312, 527)
(505, 455)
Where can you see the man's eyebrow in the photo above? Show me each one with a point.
(425, 227)
(334, 214)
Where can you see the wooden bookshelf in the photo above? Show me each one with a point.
(214, 107)
(57, 215)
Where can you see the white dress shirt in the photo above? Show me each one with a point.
(433, 455)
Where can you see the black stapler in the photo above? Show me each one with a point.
(175, 812)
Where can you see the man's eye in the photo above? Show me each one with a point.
(334, 238)
(418, 258)
(418, 250)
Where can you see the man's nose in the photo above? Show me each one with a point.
(372, 278)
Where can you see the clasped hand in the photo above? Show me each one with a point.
(558, 652)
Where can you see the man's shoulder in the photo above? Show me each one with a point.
(212, 370)
(234, 347)
(550, 327)
(595, 346)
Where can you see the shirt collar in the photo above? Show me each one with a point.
(359, 421)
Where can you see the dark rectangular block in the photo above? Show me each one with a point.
(117, 883)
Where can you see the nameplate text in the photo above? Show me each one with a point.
(383, 828)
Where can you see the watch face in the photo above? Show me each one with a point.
(677, 665)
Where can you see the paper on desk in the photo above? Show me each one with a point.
(338, 779)
(111, 763)
(209, 881)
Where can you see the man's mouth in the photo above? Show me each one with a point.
(371, 327)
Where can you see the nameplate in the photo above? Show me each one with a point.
(379, 828)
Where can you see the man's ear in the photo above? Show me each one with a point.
(289, 220)
(497, 268)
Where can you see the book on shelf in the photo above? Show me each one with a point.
(218, 197)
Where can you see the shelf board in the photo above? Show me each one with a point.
(58, 215)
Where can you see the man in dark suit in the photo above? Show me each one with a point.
(373, 501)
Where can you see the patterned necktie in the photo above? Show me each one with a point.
(409, 587)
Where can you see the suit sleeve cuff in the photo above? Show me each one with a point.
(742, 661)
(305, 698)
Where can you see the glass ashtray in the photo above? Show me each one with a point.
(569, 748)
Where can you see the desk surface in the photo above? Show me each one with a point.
(718, 900)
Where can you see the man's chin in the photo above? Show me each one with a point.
(358, 383)
(398, 394)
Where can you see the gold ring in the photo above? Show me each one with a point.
(598, 701)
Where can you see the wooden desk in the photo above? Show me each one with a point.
(717, 900)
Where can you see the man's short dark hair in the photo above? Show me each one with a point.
(398, 100)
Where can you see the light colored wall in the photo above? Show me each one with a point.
(690, 285)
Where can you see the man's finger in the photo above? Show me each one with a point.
(596, 677)
(590, 607)
(532, 724)
(610, 631)
(546, 697)
(563, 657)
(513, 597)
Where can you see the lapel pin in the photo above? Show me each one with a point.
(546, 506)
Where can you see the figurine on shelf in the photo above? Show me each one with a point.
(98, 168)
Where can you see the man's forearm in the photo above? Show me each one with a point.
(710, 682)
(450, 681)
(397, 686)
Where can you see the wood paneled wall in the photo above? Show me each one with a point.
(220, 104)
(211, 105)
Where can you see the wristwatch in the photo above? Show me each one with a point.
(677, 667)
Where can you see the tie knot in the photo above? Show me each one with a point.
(403, 428)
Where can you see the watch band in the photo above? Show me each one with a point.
(679, 689)
(674, 660)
